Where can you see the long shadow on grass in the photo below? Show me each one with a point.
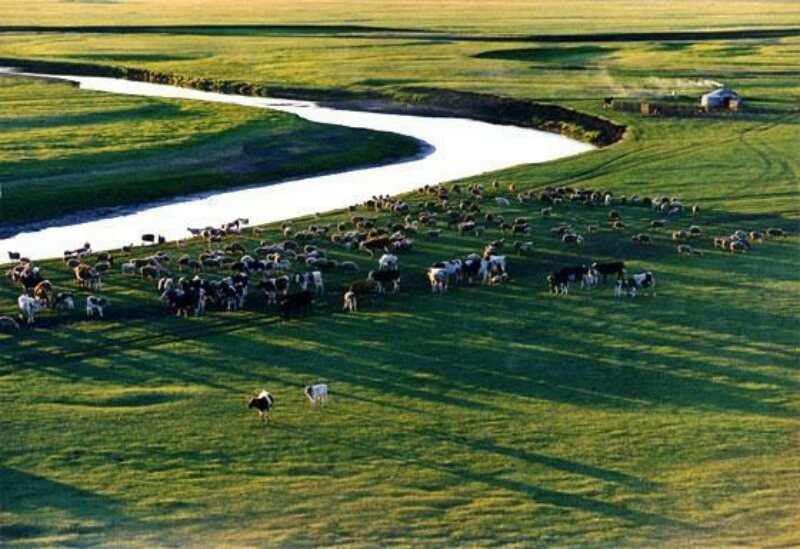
(542, 495)
(27, 493)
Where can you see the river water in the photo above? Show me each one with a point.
(457, 148)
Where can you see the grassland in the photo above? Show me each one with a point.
(490, 415)
(64, 150)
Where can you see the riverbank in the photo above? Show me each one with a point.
(420, 101)
(64, 151)
(459, 148)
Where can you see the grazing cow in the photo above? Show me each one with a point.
(439, 280)
(8, 325)
(128, 268)
(87, 277)
(644, 280)
(95, 306)
(681, 235)
(63, 302)
(625, 285)
(388, 262)
(307, 279)
(616, 268)
(263, 403)
(773, 232)
(377, 244)
(558, 283)
(350, 302)
(684, 249)
(43, 291)
(756, 236)
(738, 246)
(300, 302)
(317, 394)
(642, 239)
(28, 307)
(657, 223)
(274, 286)
(385, 278)
(572, 238)
(494, 264)
(502, 202)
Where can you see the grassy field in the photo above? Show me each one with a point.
(486, 416)
(64, 150)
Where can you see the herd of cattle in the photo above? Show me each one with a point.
(290, 273)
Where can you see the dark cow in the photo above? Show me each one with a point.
(559, 281)
(616, 268)
(386, 278)
(300, 302)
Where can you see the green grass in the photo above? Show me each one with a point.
(64, 150)
(486, 416)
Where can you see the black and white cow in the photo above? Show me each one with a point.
(264, 403)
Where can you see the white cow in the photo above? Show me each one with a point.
(388, 262)
(317, 394)
(95, 306)
(28, 307)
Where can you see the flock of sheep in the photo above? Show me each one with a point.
(290, 272)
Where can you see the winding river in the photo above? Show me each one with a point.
(458, 148)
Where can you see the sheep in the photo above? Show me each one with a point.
(642, 239)
(502, 202)
(657, 223)
(685, 249)
(572, 238)
(756, 236)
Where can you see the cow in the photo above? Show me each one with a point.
(439, 279)
(559, 281)
(385, 278)
(95, 306)
(616, 268)
(644, 280)
(373, 245)
(350, 302)
(492, 265)
(28, 307)
(43, 291)
(300, 302)
(317, 394)
(572, 238)
(63, 302)
(264, 403)
(388, 262)
(8, 325)
(310, 278)
(87, 277)
(274, 286)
